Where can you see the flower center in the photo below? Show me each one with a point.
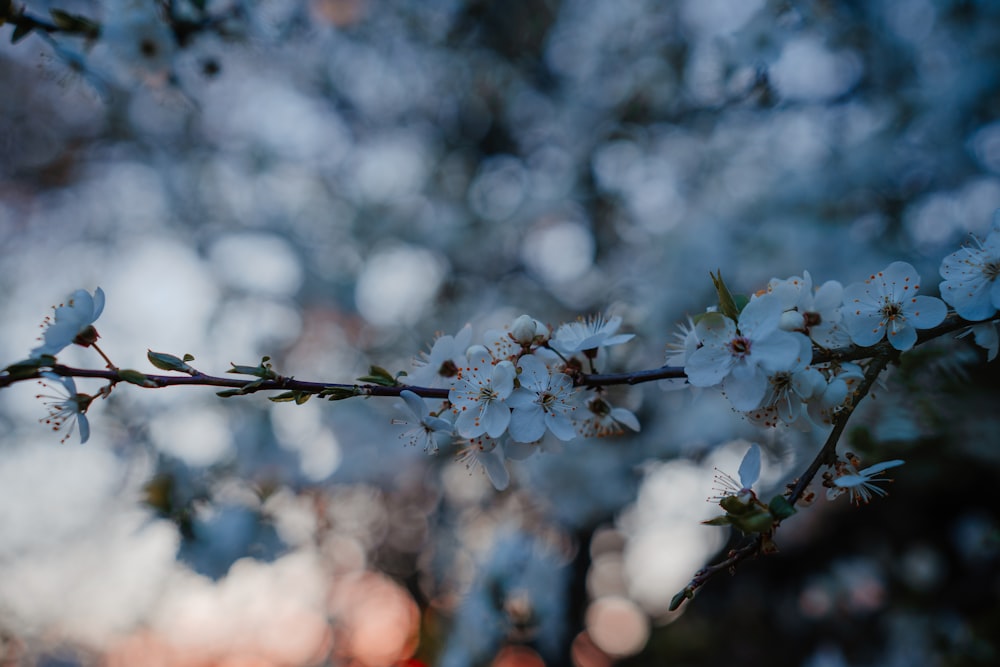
(891, 310)
(781, 381)
(740, 346)
(991, 270)
(486, 394)
(811, 319)
(448, 369)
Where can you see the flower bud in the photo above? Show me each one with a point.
(527, 330)
(792, 320)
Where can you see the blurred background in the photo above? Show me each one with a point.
(334, 183)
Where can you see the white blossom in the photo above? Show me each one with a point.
(72, 323)
(742, 355)
(814, 312)
(888, 303)
(863, 484)
(440, 366)
(589, 334)
(542, 401)
(479, 394)
(970, 278)
(66, 409)
(426, 427)
(487, 454)
(606, 420)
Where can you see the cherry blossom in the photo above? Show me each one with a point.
(742, 355)
(542, 401)
(72, 323)
(970, 278)
(487, 454)
(68, 408)
(816, 313)
(590, 334)
(479, 394)
(439, 367)
(426, 428)
(606, 420)
(862, 485)
(888, 303)
(749, 473)
(790, 390)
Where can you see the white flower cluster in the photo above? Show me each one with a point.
(507, 393)
(761, 357)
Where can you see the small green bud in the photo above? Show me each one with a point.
(378, 375)
(679, 599)
(780, 508)
(339, 393)
(137, 378)
(168, 362)
(299, 397)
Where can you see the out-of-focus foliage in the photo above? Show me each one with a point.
(332, 182)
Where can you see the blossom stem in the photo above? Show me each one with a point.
(104, 356)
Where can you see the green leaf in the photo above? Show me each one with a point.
(380, 376)
(727, 305)
(188, 357)
(135, 377)
(229, 393)
(20, 32)
(299, 397)
(262, 370)
(780, 508)
(339, 393)
(168, 362)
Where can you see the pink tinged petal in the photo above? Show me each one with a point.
(925, 312)
(750, 467)
(746, 386)
(527, 424)
(761, 316)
